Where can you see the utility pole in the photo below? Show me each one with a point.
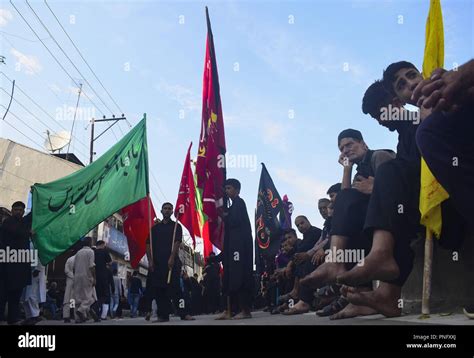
(93, 120)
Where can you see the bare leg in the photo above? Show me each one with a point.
(379, 264)
(328, 271)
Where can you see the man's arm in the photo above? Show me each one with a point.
(446, 90)
(176, 244)
(149, 255)
(347, 172)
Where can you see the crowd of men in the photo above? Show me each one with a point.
(358, 264)
(355, 265)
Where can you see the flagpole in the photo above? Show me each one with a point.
(150, 224)
(172, 245)
(427, 270)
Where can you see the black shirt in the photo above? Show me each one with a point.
(162, 234)
(135, 285)
(310, 238)
(407, 148)
(102, 258)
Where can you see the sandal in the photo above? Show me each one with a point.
(337, 305)
(285, 298)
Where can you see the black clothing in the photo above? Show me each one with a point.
(102, 273)
(164, 293)
(162, 244)
(393, 205)
(310, 238)
(15, 234)
(135, 285)
(237, 254)
(445, 140)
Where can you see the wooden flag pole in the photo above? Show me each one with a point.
(172, 246)
(427, 270)
(150, 224)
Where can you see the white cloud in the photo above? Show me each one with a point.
(5, 17)
(305, 189)
(28, 64)
(184, 96)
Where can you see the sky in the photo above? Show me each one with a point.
(292, 76)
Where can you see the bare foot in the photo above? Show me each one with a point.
(300, 308)
(352, 310)
(384, 301)
(225, 315)
(243, 315)
(376, 266)
(324, 274)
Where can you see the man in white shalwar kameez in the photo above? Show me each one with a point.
(84, 281)
(69, 291)
(34, 294)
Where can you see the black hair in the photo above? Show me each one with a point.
(135, 273)
(114, 271)
(335, 188)
(290, 231)
(350, 133)
(87, 241)
(167, 203)
(324, 199)
(375, 97)
(234, 183)
(18, 204)
(100, 242)
(391, 70)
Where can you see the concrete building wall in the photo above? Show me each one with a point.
(21, 167)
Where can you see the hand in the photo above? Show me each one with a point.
(443, 91)
(364, 185)
(171, 262)
(318, 257)
(301, 257)
(344, 161)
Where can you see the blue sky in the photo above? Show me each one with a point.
(292, 76)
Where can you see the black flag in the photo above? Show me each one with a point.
(267, 218)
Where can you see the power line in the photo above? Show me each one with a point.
(158, 185)
(65, 54)
(80, 54)
(14, 115)
(41, 108)
(34, 116)
(19, 131)
(54, 57)
(73, 64)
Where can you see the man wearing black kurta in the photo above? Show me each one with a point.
(165, 258)
(445, 137)
(237, 253)
(15, 234)
(102, 273)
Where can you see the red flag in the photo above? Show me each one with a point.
(185, 209)
(210, 167)
(137, 219)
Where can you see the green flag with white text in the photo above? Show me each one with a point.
(68, 208)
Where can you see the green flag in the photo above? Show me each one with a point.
(66, 209)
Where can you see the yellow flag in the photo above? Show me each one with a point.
(432, 194)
